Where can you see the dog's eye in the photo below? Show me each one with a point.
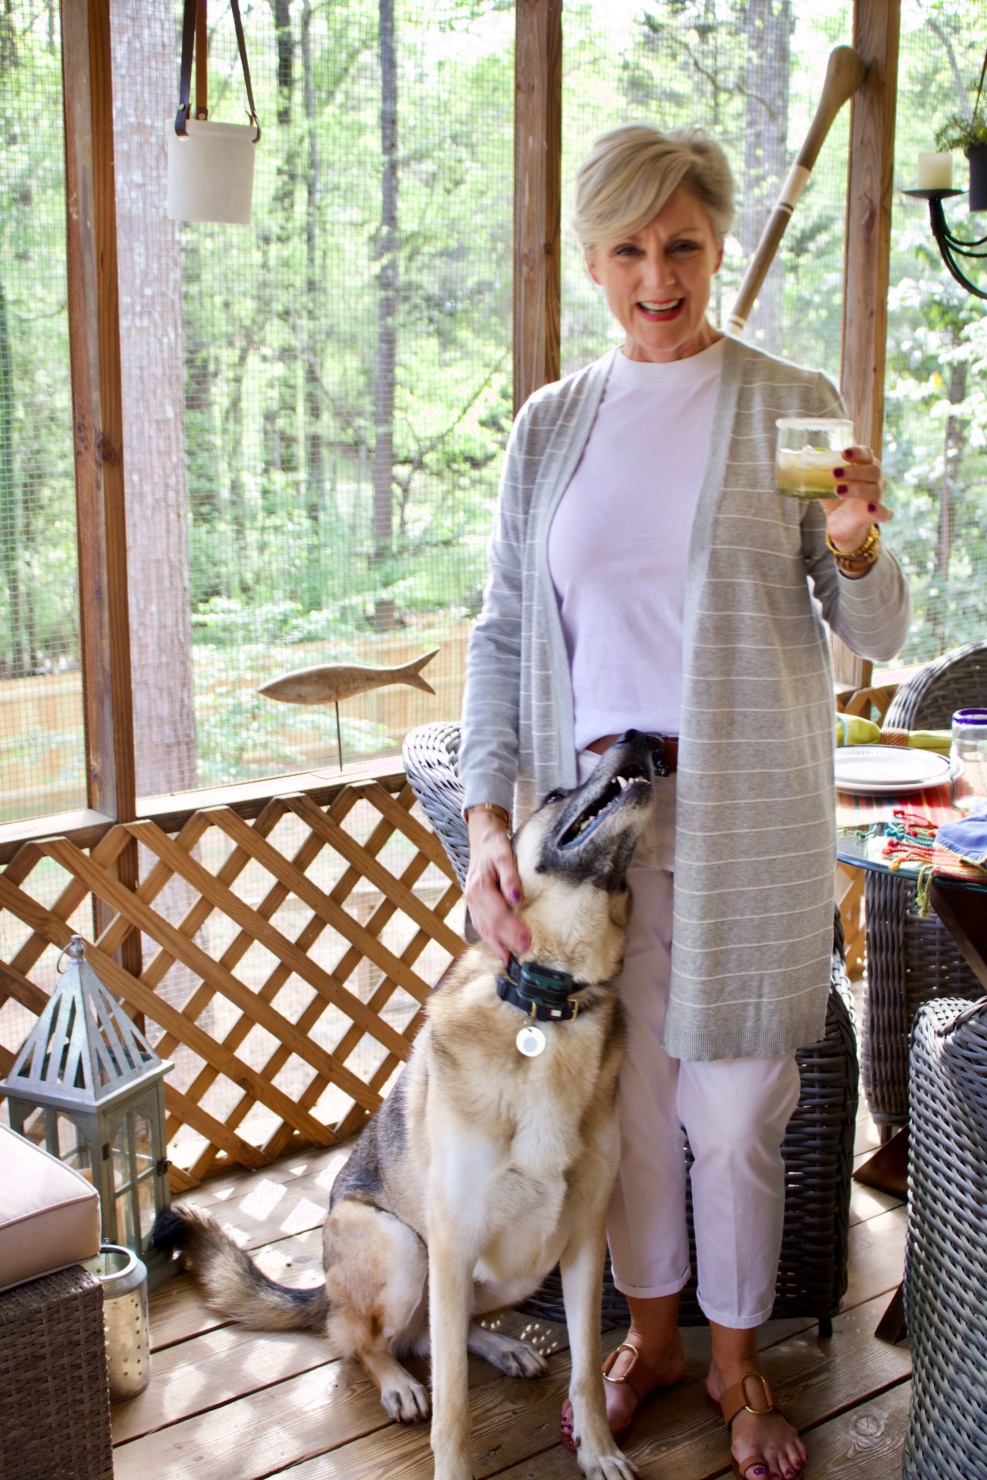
(557, 795)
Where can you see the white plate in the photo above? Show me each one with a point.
(880, 769)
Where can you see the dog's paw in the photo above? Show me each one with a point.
(615, 1466)
(406, 1402)
(513, 1358)
(518, 1359)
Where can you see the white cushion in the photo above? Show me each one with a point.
(49, 1213)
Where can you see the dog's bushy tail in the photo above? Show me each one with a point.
(229, 1279)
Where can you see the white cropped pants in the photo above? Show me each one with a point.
(734, 1111)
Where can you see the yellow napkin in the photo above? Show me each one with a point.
(852, 730)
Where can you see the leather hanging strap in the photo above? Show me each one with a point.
(201, 62)
(241, 43)
(194, 39)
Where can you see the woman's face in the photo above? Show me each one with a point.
(657, 281)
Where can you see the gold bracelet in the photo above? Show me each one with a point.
(852, 562)
(500, 812)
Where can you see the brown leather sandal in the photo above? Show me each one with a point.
(639, 1377)
(735, 1400)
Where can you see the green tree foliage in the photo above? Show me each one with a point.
(282, 320)
(38, 619)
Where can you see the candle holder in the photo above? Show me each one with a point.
(950, 246)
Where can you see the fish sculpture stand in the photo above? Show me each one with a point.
(328, 683)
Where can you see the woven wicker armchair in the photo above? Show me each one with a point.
(818, 1146)
(945, 1253)
(911, 959)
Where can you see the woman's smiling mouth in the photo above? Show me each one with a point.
(661, 311)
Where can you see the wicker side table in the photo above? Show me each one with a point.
(946, 1251)
(54, 1395)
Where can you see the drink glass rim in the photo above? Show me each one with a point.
(970, 717)
(821, 422)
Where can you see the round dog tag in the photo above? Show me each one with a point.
(530, 1041)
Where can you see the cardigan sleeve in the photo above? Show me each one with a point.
(872, 613)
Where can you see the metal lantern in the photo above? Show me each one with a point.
(100, 1087)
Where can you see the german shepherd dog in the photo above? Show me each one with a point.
(492, 1159)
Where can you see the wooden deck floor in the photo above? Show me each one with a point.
(238, 1405)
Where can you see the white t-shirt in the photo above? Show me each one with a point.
(619, 539)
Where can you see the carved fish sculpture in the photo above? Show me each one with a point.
(326, 683)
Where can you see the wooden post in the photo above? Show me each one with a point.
(867, 251)
(537, 195)
(94, 346)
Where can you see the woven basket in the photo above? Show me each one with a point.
(818, 1148)
(430, 756)
(946, 1250)
(54, 1395)
(910, 959)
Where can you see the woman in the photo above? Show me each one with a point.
(645, 573)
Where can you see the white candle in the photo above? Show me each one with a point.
(935, 172)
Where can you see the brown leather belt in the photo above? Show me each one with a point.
(669, 747)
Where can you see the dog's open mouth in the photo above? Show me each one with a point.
(629, 781)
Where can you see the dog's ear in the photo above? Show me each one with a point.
(620, 908)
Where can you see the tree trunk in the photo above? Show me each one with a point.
(383, 477)
(954, 445)
(153, 377)
(769, 31)
(315, 441)
(285, 44)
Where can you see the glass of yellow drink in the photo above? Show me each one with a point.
(808, 449)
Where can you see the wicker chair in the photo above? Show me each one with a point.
(911, 959)
(54, 1400)
(54, 1393)
(818, 1147)
(946, 1254)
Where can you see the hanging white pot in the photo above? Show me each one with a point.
(210, 165)
(211, 172)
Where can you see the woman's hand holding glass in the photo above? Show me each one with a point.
(858, 485)
(816, 458)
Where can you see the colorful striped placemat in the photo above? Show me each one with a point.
(928, 808)
(863, 811)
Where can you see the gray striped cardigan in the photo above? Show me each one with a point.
(755, 834)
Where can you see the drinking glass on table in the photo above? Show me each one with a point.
(807, 451)
(968, 758)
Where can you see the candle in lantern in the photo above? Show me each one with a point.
(935, 172)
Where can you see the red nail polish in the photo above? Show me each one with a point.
(841, 488)
(848, 452)
(872, 508)
(838, 472)
(515, 896)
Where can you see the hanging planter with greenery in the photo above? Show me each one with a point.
(970, 135)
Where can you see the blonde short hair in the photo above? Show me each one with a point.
(630, 172)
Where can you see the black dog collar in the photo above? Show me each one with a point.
(539, 991)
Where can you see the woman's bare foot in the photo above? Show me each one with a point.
(767, 1442)
(632, 1378)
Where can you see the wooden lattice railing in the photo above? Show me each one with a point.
(285, 959)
